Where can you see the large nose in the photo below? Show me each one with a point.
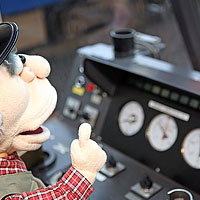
(34, 66)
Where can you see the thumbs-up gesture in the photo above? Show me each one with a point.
(87, 156)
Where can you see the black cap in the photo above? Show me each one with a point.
(8, 37)
(123, 40)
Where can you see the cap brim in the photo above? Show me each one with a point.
(8, 37)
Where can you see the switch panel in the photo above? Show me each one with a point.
(89, 115)
(146, 193)
(71, 108)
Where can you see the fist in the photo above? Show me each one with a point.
(86, 155)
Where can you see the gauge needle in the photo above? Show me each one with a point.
(164, 132)
(131, 119)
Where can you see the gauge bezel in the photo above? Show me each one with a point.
(147, 133)
(182, 148)
(142, 120)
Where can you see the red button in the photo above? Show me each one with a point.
(90, 87)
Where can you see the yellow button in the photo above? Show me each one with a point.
(79, 91)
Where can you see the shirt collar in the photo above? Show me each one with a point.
(12, 164)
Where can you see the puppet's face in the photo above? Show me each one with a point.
(26, 101)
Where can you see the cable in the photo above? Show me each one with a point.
(147, 46)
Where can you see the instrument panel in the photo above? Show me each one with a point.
(145, 117)
(168, 140)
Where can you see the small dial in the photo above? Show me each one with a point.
(191, 148)
(162, 132)
(131, 118)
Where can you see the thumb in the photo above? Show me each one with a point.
(84, 134)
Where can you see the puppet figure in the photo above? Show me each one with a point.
(26, 100)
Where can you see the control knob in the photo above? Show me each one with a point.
(146, 184)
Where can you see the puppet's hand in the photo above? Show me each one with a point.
(87, 156)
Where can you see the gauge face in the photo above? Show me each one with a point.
(162, 132)
(191, 148)
(131, 118)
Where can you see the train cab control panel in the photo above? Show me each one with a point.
(144, 113)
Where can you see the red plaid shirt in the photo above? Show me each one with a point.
(73, 184)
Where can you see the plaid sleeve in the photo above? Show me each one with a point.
(72, 186)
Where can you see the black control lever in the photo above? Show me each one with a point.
(111, 162)
(146, 183)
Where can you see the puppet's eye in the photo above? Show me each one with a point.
(23, 59)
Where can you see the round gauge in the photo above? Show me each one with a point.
(131, 118)
(191, 148)
(162, 132)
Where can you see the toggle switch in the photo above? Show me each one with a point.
(112, 167)
(111, 162)
(146, 184)
(146, 187)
